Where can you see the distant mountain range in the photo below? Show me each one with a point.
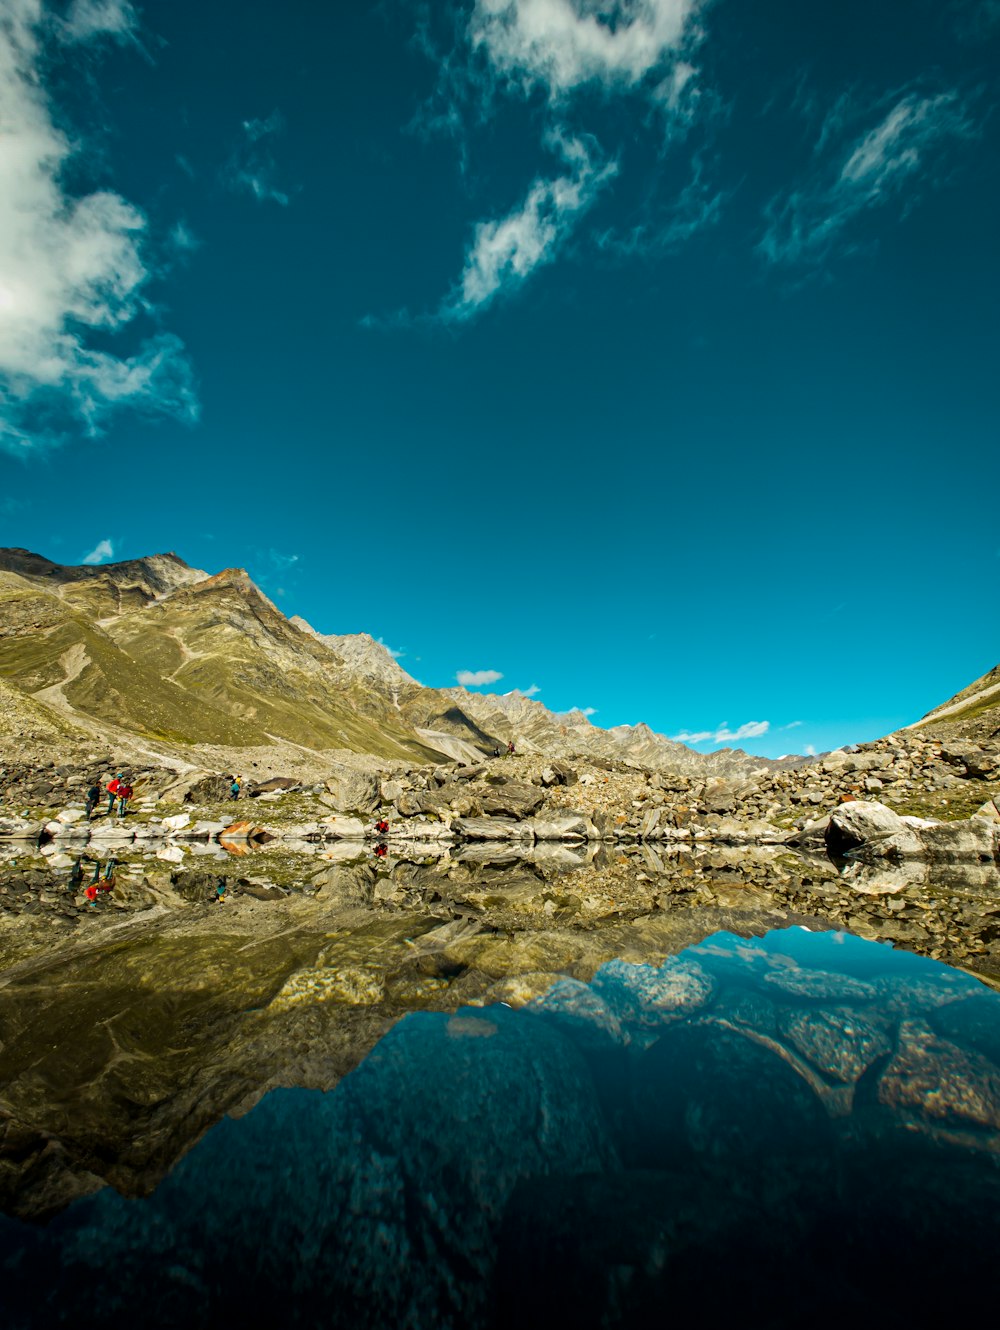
(170, 653)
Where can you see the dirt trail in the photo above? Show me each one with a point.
(74, 662)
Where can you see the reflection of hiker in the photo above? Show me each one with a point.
(93, 794)
(91, 895)
(234, 788)
(108, 879)
(112, 788)
(381, 851)
(382, 826)
(220, 890)
(124, 795)
(76, 872)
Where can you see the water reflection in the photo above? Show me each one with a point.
(790, 1129)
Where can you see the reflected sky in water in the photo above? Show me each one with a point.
(797, 1128)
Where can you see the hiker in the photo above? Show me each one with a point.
(510, 748)
(234, 788)
(112, 789)
(93, 794)
(496, 751)
(125, 793)
(382, 826)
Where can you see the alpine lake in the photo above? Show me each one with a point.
(352, 1088)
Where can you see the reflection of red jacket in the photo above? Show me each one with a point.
(113, 786)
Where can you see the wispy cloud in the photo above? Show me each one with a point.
(668, 226)
(556, 51)
(73, 268)
(102, 552)
(96, 18)
(506, 251)
(561, 45)
(533, 691)
(893, 160)
(477, 678)
(752, 729)
(396, 655)
(252, 167)
(282, 561)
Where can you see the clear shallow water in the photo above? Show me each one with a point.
(793, 1129)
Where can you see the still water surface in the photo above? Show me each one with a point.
(798, 1128)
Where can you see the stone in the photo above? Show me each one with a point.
(344, 828)
(390, 791)
(941, 1083)
(645, 995)
(208, 790)
(860, 823)
(492, 828)
(563, 826)
(513, 800)
(175, 823)
(840, 1042)
(355, 792)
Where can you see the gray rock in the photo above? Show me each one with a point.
(861, 823)
(556, 826)
(492, 828)
(513, 800)
(353, 791)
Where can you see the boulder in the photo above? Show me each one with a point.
(862, 823)
(492, 828)
(207, 790)
(176, 823)
(344, 828)
(513, 800)
(353, 791)
(276, 785)
(390, 791)
(563, 826)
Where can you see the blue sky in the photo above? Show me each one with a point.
(640, 353)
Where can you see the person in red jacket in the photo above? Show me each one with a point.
(112, 789)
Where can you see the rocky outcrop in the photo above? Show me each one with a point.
(870, 831)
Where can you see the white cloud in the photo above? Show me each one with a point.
(533, 691)
(504, 252)
(391, 650)
(563, 44)
(94, 18)
(71, 266)
(893, 160)
(101, 553)
(792, 725)
(476, 678)
(587, 711)
(752, 729)
(282, 561)
(810, 751)
(252, 166)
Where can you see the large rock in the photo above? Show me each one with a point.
(353, 791)
(860, 823)
(513, 800)
(564, 826)
(871, 831)
(492, 828)
(344, 828)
